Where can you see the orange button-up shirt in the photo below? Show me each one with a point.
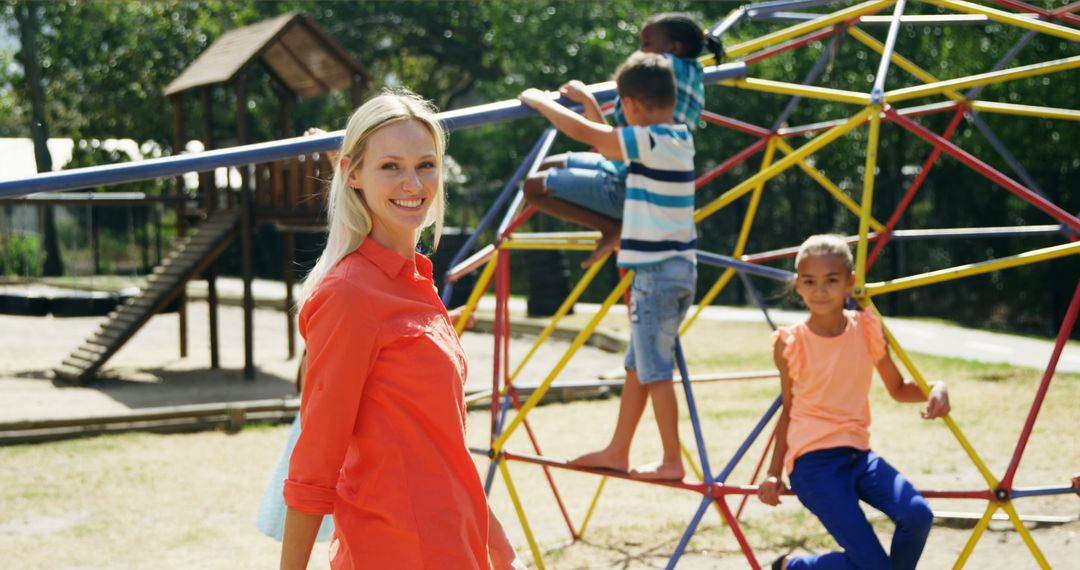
(382, 441)
(830, 384)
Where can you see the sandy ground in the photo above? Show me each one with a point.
(189, 501)
(148, 370)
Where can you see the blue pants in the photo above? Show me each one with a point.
(830, 482)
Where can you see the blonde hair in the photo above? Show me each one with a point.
(825, 244)
(348, 218)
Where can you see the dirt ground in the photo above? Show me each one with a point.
(189, 501)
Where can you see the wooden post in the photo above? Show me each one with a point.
(206, 131)
(288, 246)
(95, 238)
(247, 229)
(181, 213)
(209, 190)
(212, 302)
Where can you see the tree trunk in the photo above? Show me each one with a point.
(26, 15)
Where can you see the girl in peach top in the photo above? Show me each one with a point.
(823, 438)
(382, 445)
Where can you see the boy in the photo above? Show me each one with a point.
(657, 242)
(587, 188)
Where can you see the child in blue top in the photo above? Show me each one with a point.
(657, 242)
(588, 188)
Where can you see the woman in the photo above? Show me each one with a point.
(382, 445)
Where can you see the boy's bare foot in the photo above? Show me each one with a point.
(604, 245)
(603, 459)
(659, 471)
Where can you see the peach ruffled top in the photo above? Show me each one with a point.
(830, 384)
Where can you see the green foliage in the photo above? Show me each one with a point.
(21, 255)
(105, 64)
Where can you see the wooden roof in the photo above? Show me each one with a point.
(296, 50)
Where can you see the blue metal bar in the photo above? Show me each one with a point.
(751, 268)
(819, 66)
(1042, 491)
(1004, 152)
(877, 93)
(695, 420)
(511, 212)
(729, 21)
(504, 195)
(490, 478)
(776, 6)
(756, 296)
(953, 233)
(923, 20)
(735, 459)
(276, 150)
(1005, 60)
(689, 533)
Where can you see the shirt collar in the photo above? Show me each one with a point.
(391, 263)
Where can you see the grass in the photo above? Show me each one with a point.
(188, 501)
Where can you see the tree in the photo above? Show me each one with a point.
(26, 15)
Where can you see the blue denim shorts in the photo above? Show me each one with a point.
(659, 299)
(587, 181)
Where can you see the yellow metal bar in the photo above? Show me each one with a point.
(807, 27)
(1002, 76)
(584, 335)
(976, 532)
(740, 245)
(808, 91)
(691, 462)
(592, 507)
(901, 61)
(917, 376)
(1026, 110)
(478, 291)
(538, 558)
(707, 299)
(781, 165)
(1024, 534)
(867, 200)
(755, 199)
(567, 304)
(828, 185)
(970, 269)
(1009, 18)
(550, 244)
(582, 236)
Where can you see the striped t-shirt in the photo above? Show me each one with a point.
(658, 214)
(689, 93)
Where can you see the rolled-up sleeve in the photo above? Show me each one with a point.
(342, 343)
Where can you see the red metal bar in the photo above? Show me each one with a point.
(788, 46)
(1021, 6)
(730, 163)
(986, 170)
(702, 488)
(1062, 13)
(1066, 9)
(910, 194)
(1063, 336)
(521, 219)
(760, 463)
(917, 111)
(547, 472)
(985, 495)
(733, 524)
(742, 126)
